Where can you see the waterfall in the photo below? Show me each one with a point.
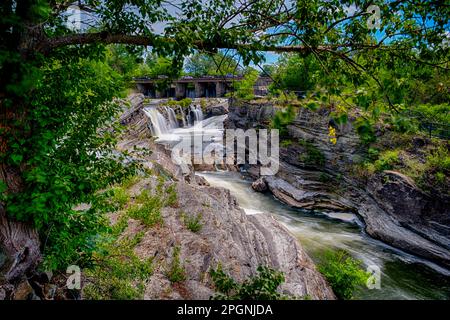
(197, 112)
(173, 122)
(164, 125)
(159, 123)
(182, 116)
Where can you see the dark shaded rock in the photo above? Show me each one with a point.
(259, 185)
(239, 242)
(217, 109)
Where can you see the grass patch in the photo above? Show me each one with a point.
(192, 222)
(283, 118)
(387, 160)
(286, 143)
(176, 271)
(129, 182)
(436, 171)
(439, 160)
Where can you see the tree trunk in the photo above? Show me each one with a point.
(19, 241)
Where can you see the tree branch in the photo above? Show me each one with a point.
(50, 44)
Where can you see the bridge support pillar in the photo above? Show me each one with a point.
(199, 89)
(180, 90)
(220, 89)
(141, 88)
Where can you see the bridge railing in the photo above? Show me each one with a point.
(432, 128)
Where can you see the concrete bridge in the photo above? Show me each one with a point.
(198, 87)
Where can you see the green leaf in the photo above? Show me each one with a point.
(16, 158)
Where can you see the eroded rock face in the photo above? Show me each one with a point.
(394, 210)
(245, 115)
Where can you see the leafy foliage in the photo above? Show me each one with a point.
(387, 160)
(436, 171)
(297, 73)
(343, 272)
(118, 273)
(68, 157)
(365, 130)
(263, 286)
(119, 198)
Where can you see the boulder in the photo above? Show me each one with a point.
(217, 109)
(259, 185)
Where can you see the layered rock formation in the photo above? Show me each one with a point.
(392, 207)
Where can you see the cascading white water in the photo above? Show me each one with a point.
(159, 123)
(183, 118)
(197, 112)
(172, 117)
(167, 131)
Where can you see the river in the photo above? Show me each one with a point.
(402, 276)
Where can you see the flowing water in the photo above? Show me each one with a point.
(403, 276)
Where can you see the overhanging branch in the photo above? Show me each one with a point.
(51, 44)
